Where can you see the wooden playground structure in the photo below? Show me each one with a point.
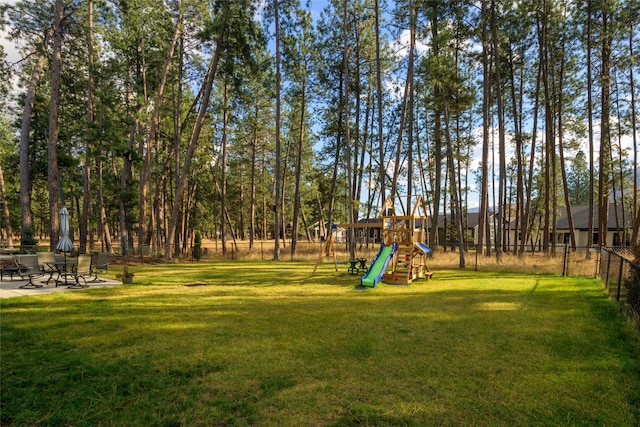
(408, 232)
(405, 233)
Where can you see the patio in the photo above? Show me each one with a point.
(11, 288)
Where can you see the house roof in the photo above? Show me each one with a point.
(365, 221)
(580, 216)
(579, 213)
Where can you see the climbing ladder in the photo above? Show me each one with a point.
(409, 263)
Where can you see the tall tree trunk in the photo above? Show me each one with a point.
(486, 105)
(592, 186)
(347, 124)
(254, 150)
(548, 118)
(410, 106)
(54, 110)
(336, 165)
(379, 104)
(26, 220)
(501, 134)
(437, 129)
(553, 107)
(283, 200)
(305, 224)
(276, 177)
(264, 217)
(565, 187)
(366, 148)
(197, 127)
(618, 193)
(635, 212)
(5, 208)
(516, 105)
(177, 130)
(296, 196)
(455, 198)
(604, 167)
(357, 150)
(223, 168)
(528, 219)
(150, 136)
(86, 197)
(241, 226)
(105, 236)
(405, 103)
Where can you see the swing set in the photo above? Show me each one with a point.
(356, 265)
(403, 253)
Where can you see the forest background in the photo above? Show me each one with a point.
(156, 122)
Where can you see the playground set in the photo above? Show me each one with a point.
(402, 257)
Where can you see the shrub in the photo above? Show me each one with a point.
(28, 241)
(633, 283)
(197, 246)
(126, 276)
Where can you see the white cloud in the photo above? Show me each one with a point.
(401, 45)
(10, 48)
(13, 54)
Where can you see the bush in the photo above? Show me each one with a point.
(197, 247)
(28, 241)
(633, 283)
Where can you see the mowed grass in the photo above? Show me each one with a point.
(267, 344)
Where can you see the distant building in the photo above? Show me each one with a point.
(319, 233)
(370, 232)
(448, 234)
(580, 216)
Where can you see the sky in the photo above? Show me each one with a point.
(9, 47)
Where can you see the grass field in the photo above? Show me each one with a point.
(265, 344)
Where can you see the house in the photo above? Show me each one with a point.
(369, 230)
(319, 232)
(448, 228)
(618, 224)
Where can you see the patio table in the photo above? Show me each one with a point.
(64, 268)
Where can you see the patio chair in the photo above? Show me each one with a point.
(28, 267)
(99, 265)
(82, 270)
(8, 267)
(46, 261)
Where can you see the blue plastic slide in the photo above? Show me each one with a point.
(424, 248)
(378, 266)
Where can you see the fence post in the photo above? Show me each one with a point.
(606, 281)
(620, 269)
(476, 268)
(565, 264)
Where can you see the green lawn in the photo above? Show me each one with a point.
(266, 344)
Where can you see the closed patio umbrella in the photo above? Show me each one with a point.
(64, 244)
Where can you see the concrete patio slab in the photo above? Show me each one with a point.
(11, 288)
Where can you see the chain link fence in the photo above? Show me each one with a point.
(621, 277)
